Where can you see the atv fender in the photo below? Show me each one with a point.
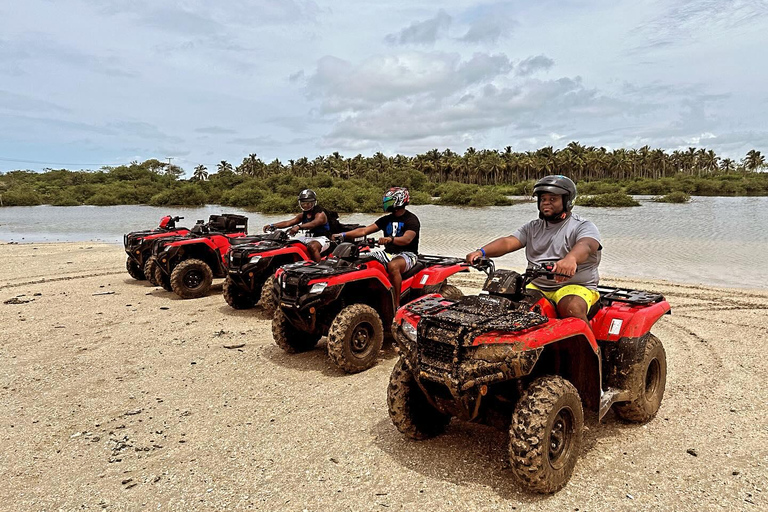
(551, 332)
(297, 253)
(435, 275)
(622, 320)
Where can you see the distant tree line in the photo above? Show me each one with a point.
(476, 178)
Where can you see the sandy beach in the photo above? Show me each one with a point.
(118, 395)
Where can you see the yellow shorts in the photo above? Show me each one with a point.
(589, 296)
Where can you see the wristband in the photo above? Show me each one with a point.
(342, 236)
(482, 251)
(271, 226)
(392, 239)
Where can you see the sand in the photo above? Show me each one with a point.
(118, 395)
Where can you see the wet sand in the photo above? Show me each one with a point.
(118, 395)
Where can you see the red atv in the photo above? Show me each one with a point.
(251, 268)
(187, 265)
(138, 245)
(505, 359)
(349, 298)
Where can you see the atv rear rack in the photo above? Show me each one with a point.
(639, 297)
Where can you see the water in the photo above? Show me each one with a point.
(720, 241)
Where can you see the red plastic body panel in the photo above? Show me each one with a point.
(552, 331)
(299, 249)
(181, 232)
(436, 274)
(628, 320)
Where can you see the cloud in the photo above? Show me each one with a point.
(23, 103)
(683, 21)
(532, 65)
(422, 32)
(215, 130)
(344, 86)
(488, 23)
(37, 47)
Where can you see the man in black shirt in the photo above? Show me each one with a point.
(401, 237)
(313, 219)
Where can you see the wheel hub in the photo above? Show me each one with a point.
(193, 279)
(361, 337)
(560, 438)
(652, 379)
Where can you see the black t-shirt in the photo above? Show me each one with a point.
(397, 226)
(309, 216)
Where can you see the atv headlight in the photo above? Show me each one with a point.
(409, 330)
(254, 259)
(318, 287)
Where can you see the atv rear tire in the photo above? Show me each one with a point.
(134, 270)
(289, 338)
(268, 300)
(648, 378)
(149, 270)
(355, 338)
(545, 434)
(409, 409)
(191, 278)
(162, 279)
(449, 291)
(235, 297)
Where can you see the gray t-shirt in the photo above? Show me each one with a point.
(545, 241)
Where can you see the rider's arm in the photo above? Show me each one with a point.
(319, 220)
(498, 247)
(407, 238)
(356, 233)
(582, 250)
(287, 223)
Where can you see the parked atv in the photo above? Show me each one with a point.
(504, 358)
(187, 265)
(349, 298)
(138, 244)
(251, 268)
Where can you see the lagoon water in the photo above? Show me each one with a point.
(721, 241)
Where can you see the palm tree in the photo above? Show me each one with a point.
(224, 168)
(200, 174)
(754, 160)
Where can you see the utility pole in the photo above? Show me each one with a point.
(169, 158)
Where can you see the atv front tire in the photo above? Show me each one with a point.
(545, 434)
(191, 278)
(268, 300)
(149, 270)
(162, 279)
(355, 338)
(409, 409)
(647, 378)
(449, 291)
(134, 270)
(289, 338)
(235, 297)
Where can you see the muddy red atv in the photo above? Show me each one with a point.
(187, 264)
(505, 359)
(138, 244)
(251, 268)
(348, 298)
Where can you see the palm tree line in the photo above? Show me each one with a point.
(492, 167)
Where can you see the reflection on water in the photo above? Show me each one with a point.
(718, 241)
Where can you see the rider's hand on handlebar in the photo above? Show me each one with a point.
(474, 257)
(385, 240)
(565, 266)
(293, 230)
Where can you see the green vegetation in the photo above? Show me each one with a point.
(673, 197)
(613, 199)
(474, 179)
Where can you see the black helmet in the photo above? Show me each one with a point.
(556, 184)
(307, 196)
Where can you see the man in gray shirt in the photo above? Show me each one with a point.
(557, 235)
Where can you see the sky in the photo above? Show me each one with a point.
(85, 83)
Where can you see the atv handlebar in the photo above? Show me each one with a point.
(545, 269)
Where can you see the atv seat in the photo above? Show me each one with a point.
(418, 267)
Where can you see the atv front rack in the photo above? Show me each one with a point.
(635, 297)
